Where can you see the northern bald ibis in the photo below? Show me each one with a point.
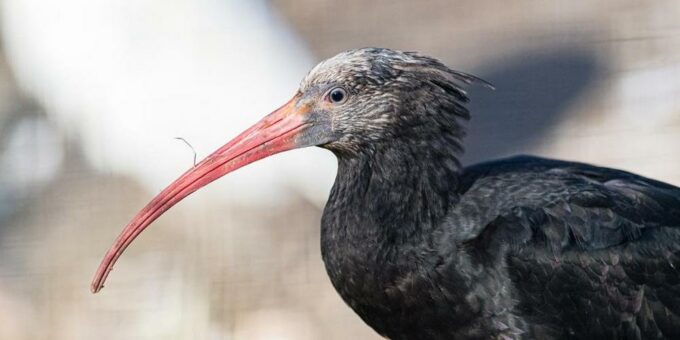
(423, 248)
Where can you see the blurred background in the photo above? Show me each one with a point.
(93, 93)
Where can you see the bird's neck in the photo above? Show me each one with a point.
(382, 209)
(397, 191)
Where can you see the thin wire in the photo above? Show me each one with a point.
(189, 145)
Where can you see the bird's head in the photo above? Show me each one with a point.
(361, 98)
(354, 101)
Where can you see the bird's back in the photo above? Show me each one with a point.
(587, 251)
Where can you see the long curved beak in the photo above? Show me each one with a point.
(277, 132)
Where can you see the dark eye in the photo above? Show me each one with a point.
(337, 95)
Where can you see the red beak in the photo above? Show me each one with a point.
(275, 133)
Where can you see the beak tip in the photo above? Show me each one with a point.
(98, 280)
(95, 287)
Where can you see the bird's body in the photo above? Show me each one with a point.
(422, 248)
(529, 248)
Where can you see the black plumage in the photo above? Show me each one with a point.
(529, 248)
(524, 247)
(423, 248)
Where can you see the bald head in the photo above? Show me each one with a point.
(385, 94)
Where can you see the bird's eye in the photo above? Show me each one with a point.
(337, 95)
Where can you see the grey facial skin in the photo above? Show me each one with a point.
(389, 94)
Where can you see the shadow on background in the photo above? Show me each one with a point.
(534, 91)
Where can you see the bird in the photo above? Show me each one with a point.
(422, 247)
